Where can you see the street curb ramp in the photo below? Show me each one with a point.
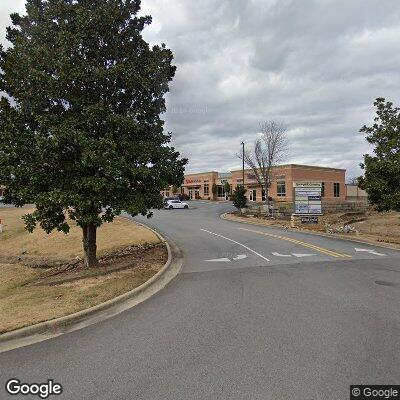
(72, 322)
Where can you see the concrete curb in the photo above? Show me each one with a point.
(327, 235)
(69, 323)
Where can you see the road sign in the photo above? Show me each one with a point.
(307, 198)
(309, 220)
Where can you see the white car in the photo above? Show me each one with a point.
(171, 204)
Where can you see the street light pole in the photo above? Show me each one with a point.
(242, 163)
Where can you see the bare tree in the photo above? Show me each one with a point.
(352, 181)
(269, 150)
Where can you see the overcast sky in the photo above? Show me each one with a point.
(316, 65)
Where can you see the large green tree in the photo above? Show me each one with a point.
(80, 127)
(382, 170)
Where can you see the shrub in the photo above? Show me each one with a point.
(183, 197)
(227, 188)
(239, 197)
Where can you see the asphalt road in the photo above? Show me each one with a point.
(257, 313)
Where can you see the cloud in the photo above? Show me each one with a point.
(316, 65)
(8, 7)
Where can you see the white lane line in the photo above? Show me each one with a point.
(234, 241)
(219, 260)
(369, 251)
(303, 255)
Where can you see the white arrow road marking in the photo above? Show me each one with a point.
(240, 257)
(281, 255)
(303, 255)
(369, 251)
(219, 260)
(234, 241)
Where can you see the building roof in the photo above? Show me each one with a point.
(299, 166)
(202, 173)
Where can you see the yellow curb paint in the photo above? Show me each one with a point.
(309, 245)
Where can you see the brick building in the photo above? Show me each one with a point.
(200, 185)
(281, 189)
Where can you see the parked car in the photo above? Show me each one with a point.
(171, 198)
(171, 204)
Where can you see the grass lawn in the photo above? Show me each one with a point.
(15, 241)
(42, 277)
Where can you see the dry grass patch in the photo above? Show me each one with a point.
(16, 244)
(372, 226)
(129, 255)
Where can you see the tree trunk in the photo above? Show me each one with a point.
(266, 190)
(90, 246)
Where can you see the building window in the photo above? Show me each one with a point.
(281, 188)
(263, 195)
(221, 191)
(336, 189)
(323, 189)
(206, 190)
(166, 194)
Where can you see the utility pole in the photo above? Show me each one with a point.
(242, 163)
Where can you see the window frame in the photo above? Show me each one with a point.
(278, 185)
(336, 189)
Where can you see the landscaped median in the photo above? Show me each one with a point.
(372, 227)
(42, 276)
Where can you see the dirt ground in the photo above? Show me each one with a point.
(372, 226)
(42, 276)
(376, 226)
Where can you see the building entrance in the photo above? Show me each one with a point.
(193, 193)
(253, 195)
